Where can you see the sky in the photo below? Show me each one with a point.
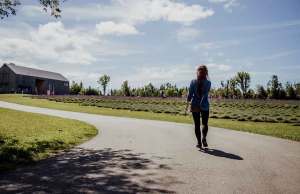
(157, 41)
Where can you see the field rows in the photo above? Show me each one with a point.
(242, 110)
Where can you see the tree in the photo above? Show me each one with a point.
(297, 88)
(282, 93)
(76, 88)
(291, 90)
(274, 87)
(103, 81)
(125, 88)
(261, 92)
(232, 88)
(183, 92)
(150, 90)
(8, 7)
(225, 87)
(243, 80)
(91, 91)
(250, 94)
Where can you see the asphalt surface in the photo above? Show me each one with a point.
(142, 156)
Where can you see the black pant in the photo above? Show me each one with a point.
(196, 117)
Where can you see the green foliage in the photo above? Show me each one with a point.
(103, 81)
(274, 87)
(149, 90)
(229, 88)
(261, 92)
(76, 88)
(91, 91)
(234, 88)
(53, 5)
(243, 80)
(250, 94)
(291, 90)
(125, 88)
(233, 91)
(225, 88)
(297, 88)
(8, 7)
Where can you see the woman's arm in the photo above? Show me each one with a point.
(190, 92)
(208, 88)
(189, 97)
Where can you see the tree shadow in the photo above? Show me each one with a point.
(221, 153)
(14, 153)
(90, 171)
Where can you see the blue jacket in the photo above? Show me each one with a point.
(199, 101)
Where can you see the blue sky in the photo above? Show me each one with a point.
(157, 41)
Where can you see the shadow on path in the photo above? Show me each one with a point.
(221, 153)
(90, 171)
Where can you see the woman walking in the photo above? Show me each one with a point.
(199, 104)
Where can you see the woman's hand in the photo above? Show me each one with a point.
(187, 107)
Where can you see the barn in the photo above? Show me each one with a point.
(19, 79)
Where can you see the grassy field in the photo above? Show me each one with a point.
(273, 111)
(27, 137)
(279, 128)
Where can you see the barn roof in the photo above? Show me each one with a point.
(20, 70)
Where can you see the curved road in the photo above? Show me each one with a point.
(141, 156)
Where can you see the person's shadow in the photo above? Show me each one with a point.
(220, 153)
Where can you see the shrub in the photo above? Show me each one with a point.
(258, 119)
(91, 91)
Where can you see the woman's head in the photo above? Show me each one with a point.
(202, 72)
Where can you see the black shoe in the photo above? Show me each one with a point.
(199, 145)
(204, 143)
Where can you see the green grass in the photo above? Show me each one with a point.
(28, 137)
(273, 111)
(282, 130)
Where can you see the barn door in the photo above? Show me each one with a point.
(39, 86)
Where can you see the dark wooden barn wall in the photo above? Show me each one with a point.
(11, 83)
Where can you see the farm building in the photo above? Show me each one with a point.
(18, 79)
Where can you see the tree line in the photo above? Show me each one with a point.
(239, 87)
(149, 90)
(236, 87)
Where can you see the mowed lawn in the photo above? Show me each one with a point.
(28, 137)
(283, 130)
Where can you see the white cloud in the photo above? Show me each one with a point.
(187, 33)
(271, 26)
(54, 47)
(51, 42)
(220, 54)
(177, 73)
(55, 43)
(112, 28)
(140, 11)
(32, 10)
(216, 44)
(273, 56)
(157, 74)
(87, 77)
(227, 4)
(219, 67)
(77, 51)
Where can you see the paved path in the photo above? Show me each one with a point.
(138, 156)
